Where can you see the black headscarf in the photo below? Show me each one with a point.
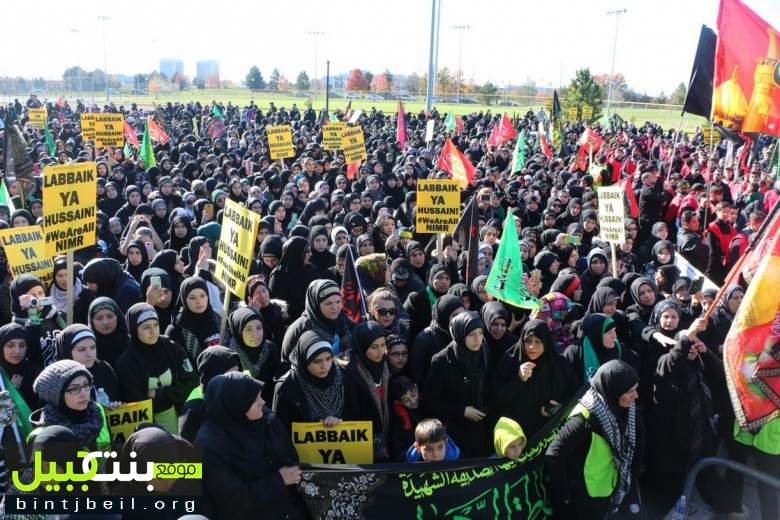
(214, 361)
(8, 332)
(293, 253)
(203, 324)
(70, 336)
(600, 298)
(19, 287)
(176, 243)
(613, 379)
(475, 364)
(317, 292)
(444, 307)
(105, 272)
(110, 346)
(365, 333)
(136, 270)
(635, 286)
(593, 329)
(239, 319)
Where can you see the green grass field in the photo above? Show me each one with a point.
(668, 118)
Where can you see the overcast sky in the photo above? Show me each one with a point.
(508, 41)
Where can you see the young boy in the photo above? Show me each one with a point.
(431, 443)
(508, 438)
(405, 399)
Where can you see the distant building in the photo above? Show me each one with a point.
(171, 68)
(208, 71)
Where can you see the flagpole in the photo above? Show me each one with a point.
(363, 308)
(69, 304)
(674, 146)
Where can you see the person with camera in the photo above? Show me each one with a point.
(35, 311)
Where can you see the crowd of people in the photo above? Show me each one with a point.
(440, 367)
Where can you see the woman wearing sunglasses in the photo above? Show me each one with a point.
(384, 308)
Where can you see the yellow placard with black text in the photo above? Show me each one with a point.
(109, 130)
(25, 249)
(38, 117)
(587, 112)
(88, 126)
(235, 251)
(571, 113)
(123, 420)
(548, 104)
(349, 442)
(69, 207)
(353, 144)
(438, 206)
(331, 135)
(280, 141)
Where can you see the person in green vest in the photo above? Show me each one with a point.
(763, 446)
(67, 389)
(211, 362)
(594, 460)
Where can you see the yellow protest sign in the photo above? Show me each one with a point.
(438, 206)
(707, 134)
(109, 130)
(69, 207)
(548, 104)
(350, 442)
(123, 420)
(280, 141)
(571, 113)
(24, 247)
(612, 214)
(235, 251)
(88, 126)
(353, 144)
(38, 117)
(331, 135)
(587, 112)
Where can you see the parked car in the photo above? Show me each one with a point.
(406, 97)
(374, 97)
(352, 95)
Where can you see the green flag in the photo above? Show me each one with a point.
(147, 152)
(449, 122)
(518, 158)
(506, 281)
(127, 149)
(5, 197)
(216, 112)
(49, 140)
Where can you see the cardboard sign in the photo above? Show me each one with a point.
(548, 104)
(109, 130)
(280, 141)
(24, 247)
(438, 206)
(353, 144)
(69, 207)
(707, 133)
(235, 251)
(38, 117)
(331, 135)
(88, 126)
(571, 113)
(123, 420)
(350, 442)
(587, 112)
(429, 127)
(612, 215)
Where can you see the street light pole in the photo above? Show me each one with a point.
(431, 72)
(460, 29)
(104, 19)
(616, 13)
(315, 35)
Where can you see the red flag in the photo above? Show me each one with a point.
(545, 145)
(745, 96)
(633, 205)
(750, 351)
(502, 132)
(215, 129)
(452, 161)
(590, 138)
(400, 128)
(352, 297)
(156, 133)
(131, 137)
(352, 169)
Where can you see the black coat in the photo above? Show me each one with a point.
(690, 245)
(427, 344)
(448, 391)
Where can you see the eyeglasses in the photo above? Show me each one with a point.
(386, 312)
(76, 390)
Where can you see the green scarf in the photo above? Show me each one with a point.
(432, 298)
(20, 406)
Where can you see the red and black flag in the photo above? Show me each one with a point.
(467, 236)
(353, 301)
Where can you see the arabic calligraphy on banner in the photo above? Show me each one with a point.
(479, 488)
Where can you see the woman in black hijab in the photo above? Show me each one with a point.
(154, 367)
(169, 261)
(497, 319)
(289, 280)
(77, 342)
(434, 338)
(270, 254)
(457, 387)
(532, 379)
(161, 297)
(321, 257)
(604, 428)
(41, 322)
(137, 259)
(108, 324)
(366, 384)
(18, 369)
(196, 325)
(547, 262)
(313, 389)
(644, 295)
(112, 200)
(721, 318)
(106, 277)
(249, 455)
(180, 233)
(259, 357)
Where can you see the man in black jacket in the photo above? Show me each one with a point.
(651, 199)
(690, 244)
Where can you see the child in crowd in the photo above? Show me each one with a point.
(432, 444)
(405, 400)
(508, 438)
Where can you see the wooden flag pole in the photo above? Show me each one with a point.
(223, 321)
(69, 294)
(614, 259)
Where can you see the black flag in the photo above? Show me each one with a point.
(698, 99)
(467, 236)
(352, 298)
